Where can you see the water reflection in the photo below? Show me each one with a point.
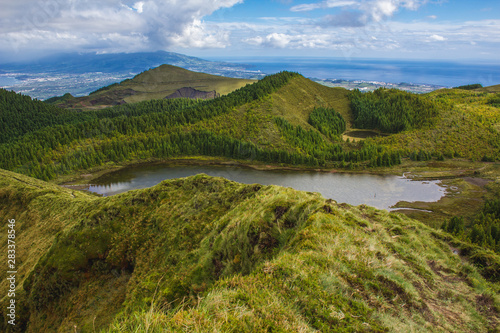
(374, 190)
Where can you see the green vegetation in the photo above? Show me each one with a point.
(391, 110)
(284, 120)
(58, 99)
(494, 100)
(470, 86)
(466, 127)
(111, 86)
(156, 83)
(483, 231)
(20, 115)
(160, 129)
(205, 254)
(328, 121)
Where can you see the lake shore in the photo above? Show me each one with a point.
(468, 183)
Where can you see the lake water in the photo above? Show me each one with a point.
(442, 73)
(374, 190)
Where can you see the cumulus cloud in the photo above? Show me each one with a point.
(437, 38)
(360, 12)
(277, 40)
(129, 25)
(295, 41)
(324, 4)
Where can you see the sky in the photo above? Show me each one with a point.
(403, 29)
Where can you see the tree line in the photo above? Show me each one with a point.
(21, 115)
(391, 110)
(328, 121)
(484, 229)
(156, 116)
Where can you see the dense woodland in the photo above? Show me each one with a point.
(20, 115)
(484, 230)
(391, 110)
(328, 121)
(154, 129)
(470, 86)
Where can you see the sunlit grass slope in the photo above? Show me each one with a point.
(204, 254)
(157, 83)
(254, 122)
(469, 127)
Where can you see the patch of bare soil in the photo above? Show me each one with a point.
(481, 182)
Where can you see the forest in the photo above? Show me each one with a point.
(154, 129)
(483, 231)
(391, 110)
(21, 115)
(328, 121)
(202, 241)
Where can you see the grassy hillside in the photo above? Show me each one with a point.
(246, 124)
(156, 83)
(268, 122)
(495, 88)
(205, 254)
(469, 127)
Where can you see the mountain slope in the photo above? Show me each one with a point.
(468, 126)
(155, 83)
(495, 88)
(205, 128)
(82, 73)
(267, 121)
(207, 254)
(79, 63)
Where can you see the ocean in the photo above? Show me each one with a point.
(442, 73)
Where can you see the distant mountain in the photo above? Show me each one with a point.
(161, 82)
(79, 63)
(80, 74)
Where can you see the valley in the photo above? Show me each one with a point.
(190, 252)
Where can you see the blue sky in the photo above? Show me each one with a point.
(408, 29)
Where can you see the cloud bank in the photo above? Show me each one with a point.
(360, 12)
(111, 25)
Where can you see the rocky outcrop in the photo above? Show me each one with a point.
(188, 92)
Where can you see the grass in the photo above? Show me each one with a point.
(469, 128)
(156, 83)
(204, 254)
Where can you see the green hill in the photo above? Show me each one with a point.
(204, 254)
(495, 88)
(20, 115)
(259, 122)
(156, 83)
(467, 126)
(284, 120)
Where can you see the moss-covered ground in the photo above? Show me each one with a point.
(204, 254)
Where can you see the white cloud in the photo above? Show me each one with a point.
(432, 17)
(362, 11)
(417, 38)
(197, 36)
(117, 24)
(138, 6)
(324, 4)
(437, 38)
(277, 40)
